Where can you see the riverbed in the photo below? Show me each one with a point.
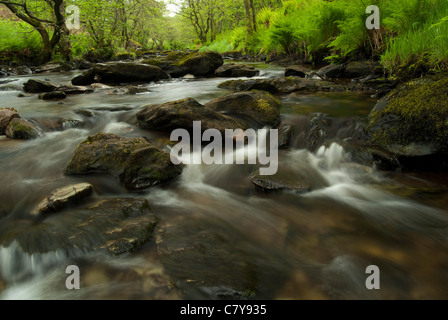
(217, 236)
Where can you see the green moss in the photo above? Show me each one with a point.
(420, 111)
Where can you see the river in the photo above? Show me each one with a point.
(217, 236)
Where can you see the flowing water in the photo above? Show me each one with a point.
(217, 236)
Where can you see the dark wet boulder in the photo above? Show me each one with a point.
(257, 107)
(357, 69)
(84, 79)
(331, 71)
(236, 70)
(6, 115)
(135, 162)
(411, 122)
(181, 114)
(19, 128)
(121, 72)
(297, 71)
(54, 95)
(63, 197)
(38, 86)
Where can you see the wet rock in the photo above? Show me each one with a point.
(85, 113)
(288, 179)
(49, 67)
(71, 89)
(135, 162)
(38, 86)
(248, 85)
(21, 129)
(181, 114)
(331, 71)
(103, 225)
(237, 70)
(294, 84)
(6, 115)
(254, 106)
(179, 64)
(411, 123)
(84, 79)
(121, 72)
(297, 71)
(356, 69)
(284, 136)
(63, 197)
(54, 95)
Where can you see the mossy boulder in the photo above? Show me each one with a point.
(6, 115)
(135, 162)
(181, 114)
(258, 108)
(20, 128)
(412, 121)
(179, 64)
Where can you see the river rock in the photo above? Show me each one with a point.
(331, 71)
(284, 136)
(248, 85)
(63, 197)
(297, 71)
(259, 107)
(288, 179)
(6, 115)
(357, 69)
(71, 89)
(410, 122)
(180, 114)
(236, 70)
(54, 95)
(112, 225)
(179, 64)
(84, 79)
(19, 128)
(122, 72)
(135, 162)
(38, 86)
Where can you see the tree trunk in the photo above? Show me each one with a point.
(248, 17)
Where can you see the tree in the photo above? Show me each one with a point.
(48, 19)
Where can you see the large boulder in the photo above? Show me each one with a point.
(112, 225)
(38, 86)
(120, 72)
(236, 70)
(181, 114)
(411, 122)
(179, 64)
(6, 115)
(356, 69)
(259, 108)
(135, 162)
(19, 128)
(84, 79)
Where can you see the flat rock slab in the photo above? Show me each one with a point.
(63, 197)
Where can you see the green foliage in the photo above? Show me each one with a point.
(18, 40)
